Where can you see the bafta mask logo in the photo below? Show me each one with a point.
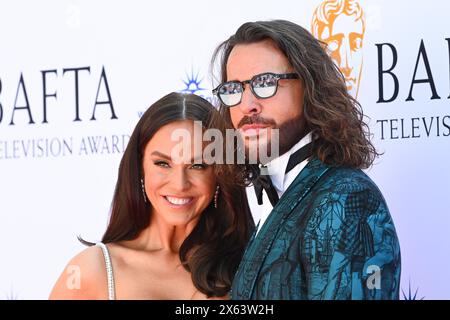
(341, 25)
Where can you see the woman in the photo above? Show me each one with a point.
(177, 228)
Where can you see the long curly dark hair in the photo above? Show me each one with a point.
(335, 118)
(213, 250)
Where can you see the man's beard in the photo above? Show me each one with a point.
(290, 132)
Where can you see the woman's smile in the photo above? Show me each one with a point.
(179, 202)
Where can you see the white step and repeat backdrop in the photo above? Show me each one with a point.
(76, 75)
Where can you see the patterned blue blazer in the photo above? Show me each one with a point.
(329, 237)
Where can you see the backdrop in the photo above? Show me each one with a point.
(76, 75)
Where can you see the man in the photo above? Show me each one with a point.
(341, 25)
(326, 232)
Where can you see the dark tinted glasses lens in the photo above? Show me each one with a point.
(264, 85)
(230, 93)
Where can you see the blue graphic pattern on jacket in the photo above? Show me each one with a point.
(330, 236)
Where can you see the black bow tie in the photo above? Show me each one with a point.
(263, 181)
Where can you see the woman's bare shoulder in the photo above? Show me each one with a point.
(84, 277)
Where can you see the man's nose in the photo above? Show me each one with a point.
(250, 104)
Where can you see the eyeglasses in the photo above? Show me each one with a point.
(262, 85)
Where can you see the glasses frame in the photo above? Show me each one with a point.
(277, 76)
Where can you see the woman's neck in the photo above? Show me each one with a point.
(161, 236)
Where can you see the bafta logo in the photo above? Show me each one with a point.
(341, 25)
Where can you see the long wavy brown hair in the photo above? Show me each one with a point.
(214, 248)
(335, 118)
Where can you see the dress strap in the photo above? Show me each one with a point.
(109, 271)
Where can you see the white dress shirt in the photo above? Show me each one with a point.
(281, 181)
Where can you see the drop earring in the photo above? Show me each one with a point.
(143, 190)
(216, 196)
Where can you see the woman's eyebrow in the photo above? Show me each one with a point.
(162, 155)
(196, 160)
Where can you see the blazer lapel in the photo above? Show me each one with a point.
(259, 247)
